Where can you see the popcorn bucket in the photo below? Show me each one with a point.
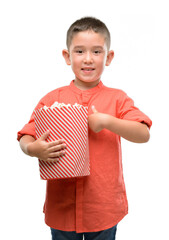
(68, 122)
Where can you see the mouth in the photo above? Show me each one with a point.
(87, 69)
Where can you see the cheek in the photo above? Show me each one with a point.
(101, 61)
(75, 63)
(101, 65)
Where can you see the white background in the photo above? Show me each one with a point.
(32, 38)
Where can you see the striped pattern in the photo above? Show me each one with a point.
(70, 124)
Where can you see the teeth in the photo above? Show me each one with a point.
(87, 69)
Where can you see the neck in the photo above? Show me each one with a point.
(85, 85)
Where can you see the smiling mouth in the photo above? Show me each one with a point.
(88, 69)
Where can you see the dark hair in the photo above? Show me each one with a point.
(88, 23)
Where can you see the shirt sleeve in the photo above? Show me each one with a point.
(128, 111)
(29, 128)
(47, 100)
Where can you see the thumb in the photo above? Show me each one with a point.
(94, 109)
(45, 135)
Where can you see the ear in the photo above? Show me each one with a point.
(110, 57)
(66, 56)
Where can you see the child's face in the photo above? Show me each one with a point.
(88, 55)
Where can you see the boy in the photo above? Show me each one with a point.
(92, 205)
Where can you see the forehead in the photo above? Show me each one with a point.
(88, 38)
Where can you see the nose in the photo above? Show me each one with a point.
(88, 58)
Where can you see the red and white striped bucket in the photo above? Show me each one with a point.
(71, 124)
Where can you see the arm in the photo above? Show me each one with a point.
(130, 130)
(47, 151)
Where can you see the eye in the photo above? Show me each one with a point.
(97, 52)
(79, 51)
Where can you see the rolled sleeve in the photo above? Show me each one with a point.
(128, 111)
(29, 128)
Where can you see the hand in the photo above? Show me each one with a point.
(97, 121)
(47, 151)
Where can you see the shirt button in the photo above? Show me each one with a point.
(85, 99)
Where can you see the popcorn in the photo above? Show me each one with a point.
(68, 122)
(60, 105)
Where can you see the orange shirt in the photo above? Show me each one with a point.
(96, 202)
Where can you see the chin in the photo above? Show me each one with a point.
(88, 80)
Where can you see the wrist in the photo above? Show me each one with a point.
(106, 121)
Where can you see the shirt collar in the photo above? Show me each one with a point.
(89, 91)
